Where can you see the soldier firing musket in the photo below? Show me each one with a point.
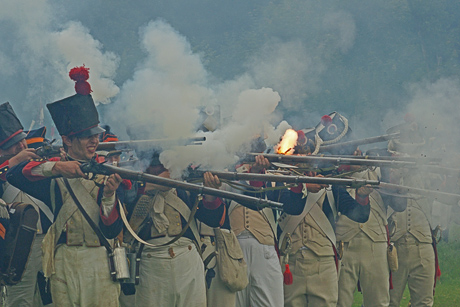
(252, 202)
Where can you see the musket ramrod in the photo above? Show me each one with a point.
(248, 201)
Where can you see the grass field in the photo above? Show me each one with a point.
(448, 288)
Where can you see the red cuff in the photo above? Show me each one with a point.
(363, 201)
(3, 169)
(27, 171)
(344, 168)
(256, 184)
(126, 184)
(297, 189)
(113, 215)
(212, 205)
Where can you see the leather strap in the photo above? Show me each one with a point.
(102, 239)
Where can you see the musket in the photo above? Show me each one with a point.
(443, 197)
(335, 160)
(49, 150)
(45, 151)
(248, 201)
(352, 182)
(149, 143)
(420, 160)
(325, 161)
(370, 140)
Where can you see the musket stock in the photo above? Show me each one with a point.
(248, 201)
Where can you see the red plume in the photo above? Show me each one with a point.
(80, 75)
(287, 275)
(301, 138)
(326, 120)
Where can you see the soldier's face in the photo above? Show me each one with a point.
(83, 148)
(15, 149)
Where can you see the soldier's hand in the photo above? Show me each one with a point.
(24, 155)
(261, 164)
(211, 181)
(68, 169)
(315, 187)
(365, 190)
(111, 185)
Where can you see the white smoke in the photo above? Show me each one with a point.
(163, 98)
(42, 49)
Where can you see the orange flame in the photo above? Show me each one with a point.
(288, 142)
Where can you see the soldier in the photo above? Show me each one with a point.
(171, 271)
(217, 292)
(365, 247)
(256, 231)
(308, 240)
(16, 143)
(73, 256)
(412, 230)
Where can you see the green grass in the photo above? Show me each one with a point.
(447, 289)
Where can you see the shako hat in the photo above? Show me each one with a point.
(108, 135)
(11, 129)
(332, 129)
(76, 115)
(411, 140)
(36, 138)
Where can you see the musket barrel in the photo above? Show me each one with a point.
(148, 143)
(338, 160)
(355, 183)
(443, 197)
(370, 140)
(420, 160)
(249, 201)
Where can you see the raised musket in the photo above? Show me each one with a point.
(150, 143)
(442, 197)
(420, 160)
(337, 160)
(352, 182)
(370, 140)
(248, 201)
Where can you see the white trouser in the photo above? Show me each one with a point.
(364, 261)
(83, 278)
(265, 286)
(171, 276)
(416, 269)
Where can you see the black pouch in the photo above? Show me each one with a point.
(128, 289)
(45, 288)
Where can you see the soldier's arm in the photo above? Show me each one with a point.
(357, 210)
(37, 186)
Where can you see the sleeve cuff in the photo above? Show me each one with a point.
(212, 205)
(363, 201)
(297, 189)
(108, 218)
(38, 170)
(3, 169)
